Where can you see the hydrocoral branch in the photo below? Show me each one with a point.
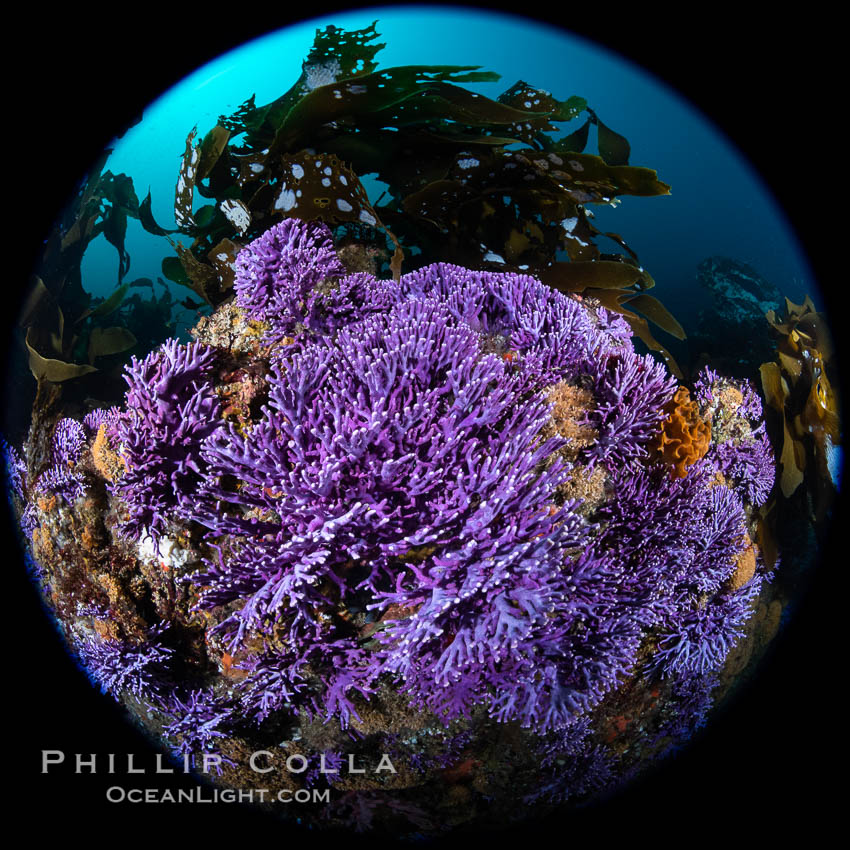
(171, 408)
(277, 274)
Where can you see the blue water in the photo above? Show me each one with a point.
(718, 203)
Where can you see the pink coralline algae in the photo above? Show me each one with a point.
(392, 514)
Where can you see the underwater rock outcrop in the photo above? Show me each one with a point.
(740, 299)
(418, 524)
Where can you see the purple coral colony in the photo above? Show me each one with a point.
(434, 499)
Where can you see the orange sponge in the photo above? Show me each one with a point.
(684, 437)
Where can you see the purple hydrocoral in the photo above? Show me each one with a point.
(277, 274)
(372, 446)
(399, 465)
(198, 721)
(704, 384)
(691, 699)
(279, 680)
(326, 767)
(751, 405)
(396, 458)
(631, 392)
(118, 665)
(14, 469)
(708, 381)
(62, 481)
(553, 336)
(572, 764)
(400, 435)
(69, 440)
(171, 409)
(101, 416)
(700, 640)
(673, 539)
(749, 465)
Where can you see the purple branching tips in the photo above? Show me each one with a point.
(748, 465)
(69, 440)
(702, 638)
(14, 470)
(63, 482)
(704, 386)
(101, 416)
(63, 479)
(117, 665)
(751, 406)
(632, 391)
(171, 409)
(278, 274)
(673, 536)
(198, 722)
(572, 764)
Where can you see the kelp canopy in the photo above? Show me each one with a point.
(469, 180)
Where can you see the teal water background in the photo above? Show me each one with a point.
(718, 203)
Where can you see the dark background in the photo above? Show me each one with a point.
(766, 765)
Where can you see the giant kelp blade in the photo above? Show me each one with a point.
(115, 230)
(50, 368)
(460, 136)
(523, 96)
(321, 186)
(184, 192)
(336, 54)
(771, 385)
(365, 95)
(613, 147)
(598, 274)
(792, 365)
(173, 269)
(658, 314)
(367, 151)
(792, 472)
(222, 257)
(351, 53)
(36, 299)
(202, 278)
(764, 535)
(111, 304)
(212, 146)
(577, 140)
(248, 117)
(147, 220)
(106, 341)
(641, 330)
(445, 102)
(590, 172)
(433, 201)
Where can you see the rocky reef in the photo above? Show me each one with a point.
(740, 300)
(444, 547)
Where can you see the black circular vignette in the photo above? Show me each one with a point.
(761, 764)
